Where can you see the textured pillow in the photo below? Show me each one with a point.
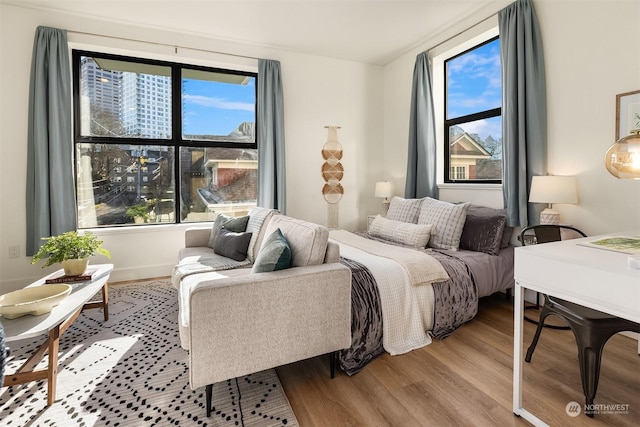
(447, 219)
(413, 235)
(404, 210)
(274, 254)
(485, 211)
(235, 224)
(482, 233)
(232, 245)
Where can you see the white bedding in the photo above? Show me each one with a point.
(406, 296)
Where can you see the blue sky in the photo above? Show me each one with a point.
(214, 108)
(473, 85)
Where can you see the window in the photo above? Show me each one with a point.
(177, 139)
(458, 172)
(473, 117)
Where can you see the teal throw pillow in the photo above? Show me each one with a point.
(232, 245)
(235, 224)
(275, 254)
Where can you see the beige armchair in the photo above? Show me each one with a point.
(242, 322)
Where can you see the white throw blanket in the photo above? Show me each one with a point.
(421, 268)
(404, 278)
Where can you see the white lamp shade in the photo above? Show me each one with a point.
(553, 189)
(383, 189)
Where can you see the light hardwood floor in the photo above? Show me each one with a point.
(466, 380)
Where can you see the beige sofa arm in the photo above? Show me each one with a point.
(249, 323)
(196, 237)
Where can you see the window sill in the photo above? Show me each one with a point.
(145, 229)
(461, 186)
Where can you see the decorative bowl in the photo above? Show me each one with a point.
(35, 300)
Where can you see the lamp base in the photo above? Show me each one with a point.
(385, 207)
(549, 216)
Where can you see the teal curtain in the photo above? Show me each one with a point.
(50, 195)
(524, 111)
(422, 156)
(270, 132)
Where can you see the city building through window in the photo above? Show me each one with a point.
(162, 141)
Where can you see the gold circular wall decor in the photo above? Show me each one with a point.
(332, 173)
(332, 170)
(332, 192)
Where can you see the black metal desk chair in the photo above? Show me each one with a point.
(592, 329)
(545, 233)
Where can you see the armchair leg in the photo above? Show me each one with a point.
(332, 362)
(208, 394)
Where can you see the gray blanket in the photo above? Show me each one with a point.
(456, 302)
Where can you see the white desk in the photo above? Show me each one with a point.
(595, 278)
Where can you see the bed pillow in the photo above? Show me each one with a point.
(482, 233)
(413, 235)
(274, 254)
(235, 224)
(404, 210)
(485, 211)
(232, 245)
(447, 219)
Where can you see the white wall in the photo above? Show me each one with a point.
(591, 53)
(318, 91)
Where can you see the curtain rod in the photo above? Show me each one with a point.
(462, 32)
(176, 47)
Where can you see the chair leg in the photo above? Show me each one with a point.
(208, 395)
(590, 347)
(543, 315)
(590, 361)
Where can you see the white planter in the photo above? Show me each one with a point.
(75, 267)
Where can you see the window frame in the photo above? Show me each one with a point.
(448, 123)
(176, 141)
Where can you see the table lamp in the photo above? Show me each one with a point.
(384, 189)
(552, 189)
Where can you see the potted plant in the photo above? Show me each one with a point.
(139, 213)
(70, 249)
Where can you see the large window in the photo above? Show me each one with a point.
(473, 120)
(161, 142)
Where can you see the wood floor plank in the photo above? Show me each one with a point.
(466, 380)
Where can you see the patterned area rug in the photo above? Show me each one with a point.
(131, 371)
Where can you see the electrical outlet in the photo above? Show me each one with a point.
(14, 251)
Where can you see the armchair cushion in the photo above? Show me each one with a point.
(308, 241)
(275, 254)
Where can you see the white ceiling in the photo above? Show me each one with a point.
(371, 31)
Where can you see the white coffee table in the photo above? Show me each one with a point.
(54, 324)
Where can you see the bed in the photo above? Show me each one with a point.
(418, 272)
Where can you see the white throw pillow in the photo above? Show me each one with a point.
(448, 220)
(413, 235)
